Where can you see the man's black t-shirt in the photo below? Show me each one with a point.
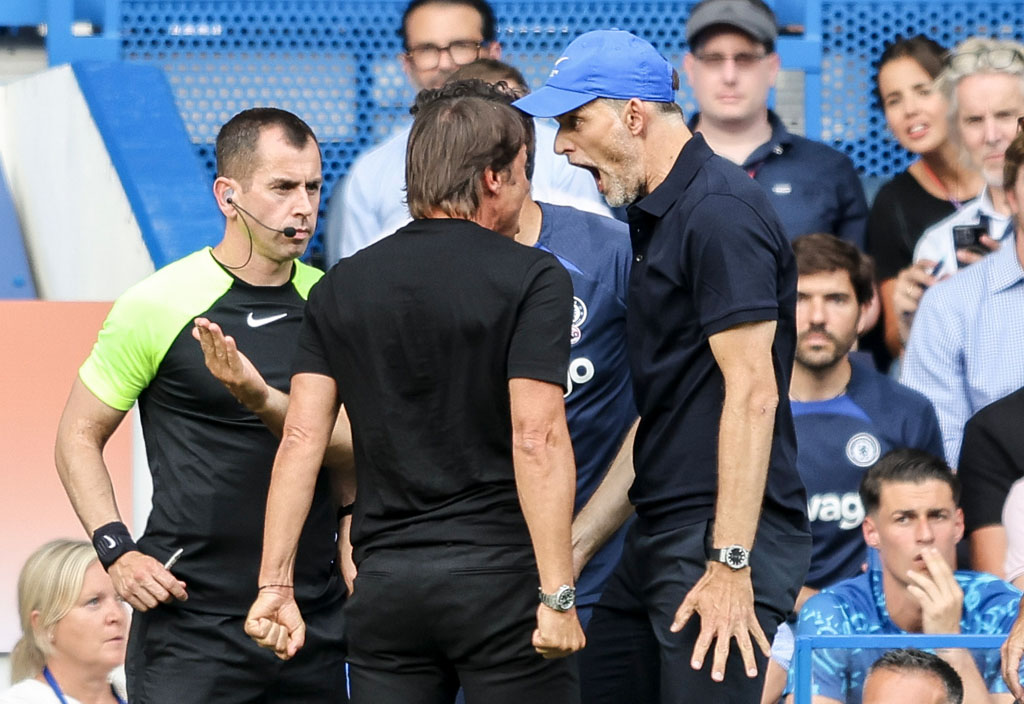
(709, 254)
(991, 460)
(422, 332)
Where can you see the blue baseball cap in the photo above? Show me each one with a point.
(606, 63)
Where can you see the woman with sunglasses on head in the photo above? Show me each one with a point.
(74, 629)
(934, 186)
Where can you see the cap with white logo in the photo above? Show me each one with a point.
(606, 63)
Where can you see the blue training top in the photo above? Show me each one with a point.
(838, 440)
(595, 250)
(857, 606)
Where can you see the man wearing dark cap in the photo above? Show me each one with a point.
(732, 66)
(721, 530)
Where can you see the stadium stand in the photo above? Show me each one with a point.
(333, 61)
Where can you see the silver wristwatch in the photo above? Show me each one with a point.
(735, 556)
(562, 600)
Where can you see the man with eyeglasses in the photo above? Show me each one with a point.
(959, 354)
(731, 67)
(438, 37)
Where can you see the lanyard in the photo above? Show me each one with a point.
(60, 694)
(935, 177)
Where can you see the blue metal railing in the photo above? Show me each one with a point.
(805, 644)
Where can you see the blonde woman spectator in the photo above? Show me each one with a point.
(74, 629)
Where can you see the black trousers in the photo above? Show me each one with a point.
(423, 621)
(632, 658)
(176, 656)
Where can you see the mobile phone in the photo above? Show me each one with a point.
(969, 237)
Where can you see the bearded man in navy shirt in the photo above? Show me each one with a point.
(710, 334)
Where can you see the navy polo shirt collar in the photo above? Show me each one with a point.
(779, 142)
(777, 145)
(691, 157)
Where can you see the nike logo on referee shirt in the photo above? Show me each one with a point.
(255, 322)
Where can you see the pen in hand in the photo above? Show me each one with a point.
(173, 558)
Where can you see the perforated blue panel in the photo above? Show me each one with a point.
(333, 61)
(853, 35)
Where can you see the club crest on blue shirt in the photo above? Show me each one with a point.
(863, 449)
(579, 316)
(579, 312)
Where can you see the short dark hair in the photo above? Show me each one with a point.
(1012, 161)
(818, 253)
(702, 36)
(927, 52)
(490, 71)
(905, 465)
(238, 139)
(903, 659)
(502, 75)
(481, 6)
(458, 131)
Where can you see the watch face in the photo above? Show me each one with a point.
(565, 598)
(736, 557)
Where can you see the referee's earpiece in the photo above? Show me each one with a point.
(228, 195)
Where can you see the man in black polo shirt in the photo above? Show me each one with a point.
(447, 344)
(721, 529)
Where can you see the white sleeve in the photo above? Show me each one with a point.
(936, 244)
(370, 203)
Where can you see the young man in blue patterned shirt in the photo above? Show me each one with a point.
(914, 522)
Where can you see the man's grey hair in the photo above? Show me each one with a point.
(980, 48)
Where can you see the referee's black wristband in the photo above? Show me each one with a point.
(345, 510)
(111, 541)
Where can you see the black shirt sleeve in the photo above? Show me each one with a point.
(734, 259)
(539, 348)
(991, 460)
(311, 354)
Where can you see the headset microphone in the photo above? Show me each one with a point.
(229, 195)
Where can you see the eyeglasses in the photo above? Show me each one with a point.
(743, 60)
(428, 56)
(998, 59)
